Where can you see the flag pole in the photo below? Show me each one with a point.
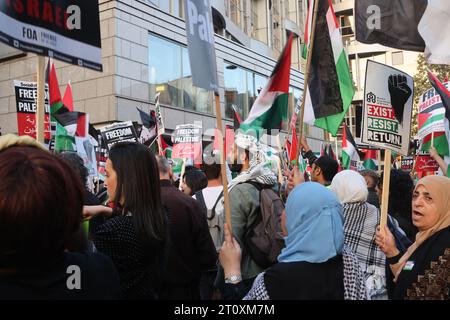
(307, 69)
(40, 106)
(386, 182)
(222, 162)
(432, 139)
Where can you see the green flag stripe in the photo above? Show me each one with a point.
(440, 143)
(332, 123)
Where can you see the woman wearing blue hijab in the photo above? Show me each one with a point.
(315, 264)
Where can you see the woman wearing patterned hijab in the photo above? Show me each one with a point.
(431, 216)
(361, 220)
(315, 264)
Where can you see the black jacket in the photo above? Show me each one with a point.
(191, 250)
(429, 251)
(97, 275)
(139, 268)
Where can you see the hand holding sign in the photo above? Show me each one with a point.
(400, 93)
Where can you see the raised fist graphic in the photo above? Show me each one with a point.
(400, 93)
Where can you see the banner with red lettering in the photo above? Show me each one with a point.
(425, 165)
(387, 109)
(187, 142)
(26, 96)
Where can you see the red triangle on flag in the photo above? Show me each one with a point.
(82, 125)
(55, 94)
(68, 97)
(294, 146)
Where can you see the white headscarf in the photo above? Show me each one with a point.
(350, 187)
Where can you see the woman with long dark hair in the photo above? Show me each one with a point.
(134, 232)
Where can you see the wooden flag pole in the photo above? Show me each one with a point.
(223, 163)
(306, 78)
(40, 106)
(432, 139)
(386, 181)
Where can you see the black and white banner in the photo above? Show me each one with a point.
(118, 132)
(66, 30)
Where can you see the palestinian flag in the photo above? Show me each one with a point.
(415, 25)
(441, 139)
(159, 120)
(350, 156)
(329, 152)
(269, 111)
(74, 123)
(442, 91)
(370, 159)
(330, 87)
(68, 97)
(65, 136)
(236, 118)
(293, 150)
(149, 128)
(308, 26)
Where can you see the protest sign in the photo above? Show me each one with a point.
(187, 142)
(118, 132)
(431, 113)
(407, 163)
(66, 30)
(202, 58)
(26, 95)
(425, 164)
(388, 100)
(86, 151)
(200, 39)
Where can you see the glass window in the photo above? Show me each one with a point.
(236, 90)
(173, 7)
(170, 74)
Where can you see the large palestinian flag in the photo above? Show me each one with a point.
(269, 111)
(330, 87)
(350, 156)
(417, 25)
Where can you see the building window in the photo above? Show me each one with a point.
(174, 7)
(397, 58)
(236, 90)
(346, 27)
(242, 87)
(170, 74)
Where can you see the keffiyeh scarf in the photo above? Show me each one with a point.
(361, 220)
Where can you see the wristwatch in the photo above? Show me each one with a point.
(234, 278)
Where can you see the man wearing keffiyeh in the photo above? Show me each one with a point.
(251, 160)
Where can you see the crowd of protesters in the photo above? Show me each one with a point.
(148, 238)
